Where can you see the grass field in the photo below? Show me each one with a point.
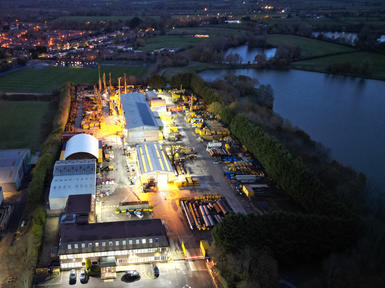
(376, 62)
(212, 31)
(309, 47)
(49, 78)
(21, 123)
(170, 41)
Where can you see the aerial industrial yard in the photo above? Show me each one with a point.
(142, 177)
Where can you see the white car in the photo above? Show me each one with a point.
(139, 214)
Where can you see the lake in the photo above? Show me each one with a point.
(247, 54)
(345, 114)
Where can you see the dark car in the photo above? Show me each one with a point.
(130, 276)
(83, 276)
(72, 277)
(156, 271)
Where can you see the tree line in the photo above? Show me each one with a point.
(322, 224)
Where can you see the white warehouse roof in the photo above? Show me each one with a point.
(82, 143)
(71, 177)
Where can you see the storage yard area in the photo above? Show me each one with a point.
(173, 162)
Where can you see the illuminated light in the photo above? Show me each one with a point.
(157, 153)
(165, 160)
(148, 157)
(144, 162)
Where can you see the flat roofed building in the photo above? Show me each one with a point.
(71, 177)
(13, 165)
(141, 125)
(154, 163)
(126, 242)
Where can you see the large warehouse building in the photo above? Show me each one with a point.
(71, 177)
(154, 164)
(13, 165)
(141, 125)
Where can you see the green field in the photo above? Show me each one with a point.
(212, 31)
(170, 41)
(21, 123)
(309, 47)
(376, 62)
(49, 78)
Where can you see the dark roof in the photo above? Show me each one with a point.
(146, 114)
(111, 230)
(78, 204)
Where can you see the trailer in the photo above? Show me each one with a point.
(125, 207)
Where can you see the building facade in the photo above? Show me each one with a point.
(13, 165)
(71, 177)
(113, 245)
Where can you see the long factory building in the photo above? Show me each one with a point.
(141, 125)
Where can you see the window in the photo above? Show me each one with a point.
(110, 243)
(130, 242)
(96, 244)
(76, 246)
(137, 241)
(156, 240)
(104, 244)
(143, 241)
(90, 245)
(69, 246)
(150, 240)
(116, 243)
(121, 260)
(124, 242)
(83, 245)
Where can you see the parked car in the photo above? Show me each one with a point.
(138, 214)
(72, 280)
(156, 270)
(83, 276)
(130, 276)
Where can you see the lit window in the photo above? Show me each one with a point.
(124, 242)
(89, 245)
(83, 245)
(143, 241)
(116, 243)
(137, 241)
(130, 242)
(69, 247)
(104, 244)
(76, 246)
(150, 240)
(110, 243)
(96, 244)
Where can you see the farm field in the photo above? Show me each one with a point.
(49, 78)
(212, 31)
(21, 123)
(309, 47)
(376, 63)
(170, 41)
